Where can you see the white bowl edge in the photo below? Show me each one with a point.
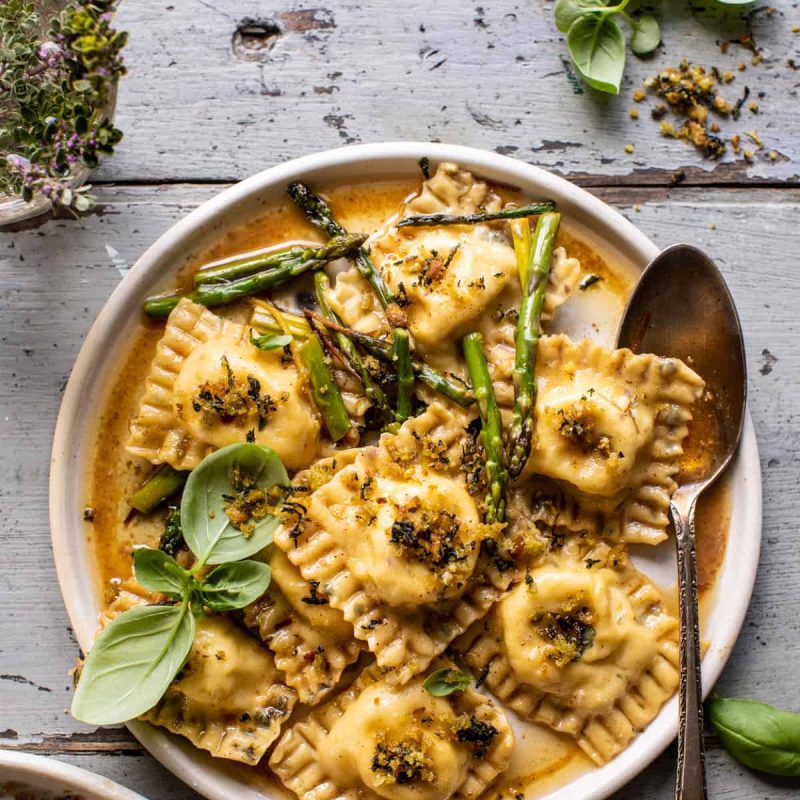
(44, 772)
(93, 364)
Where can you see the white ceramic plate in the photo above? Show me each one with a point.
(50, 775)
(605, 228)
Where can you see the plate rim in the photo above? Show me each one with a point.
(60, 775)
(69, 541)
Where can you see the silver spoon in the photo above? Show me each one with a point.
(682, 308)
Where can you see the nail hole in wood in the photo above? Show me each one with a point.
(254, 38)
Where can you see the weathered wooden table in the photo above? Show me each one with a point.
(206, 104)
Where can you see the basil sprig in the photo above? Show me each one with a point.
(139, 653)
(445, 681)
(758, 735)
(596, 43)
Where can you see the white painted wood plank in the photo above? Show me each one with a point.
(55, 277)
(492, 75)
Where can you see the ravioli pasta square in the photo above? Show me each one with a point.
(394, 542)
(378, 740)
(229, 698)
(312, 643)
(208, 387)
(609, 429)
(584, 645)
(446, 278)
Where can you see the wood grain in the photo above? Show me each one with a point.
(199, 105)
(219, 90)
(55, 277)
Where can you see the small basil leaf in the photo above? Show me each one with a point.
(757, 735)
(235, 585)
(133, 661)
(446, 681)
(597, 47)
(567, 11)
(159, 572)
(270, 341)
(206, 527)
(646, 35)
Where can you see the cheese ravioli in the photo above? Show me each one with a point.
(208, 387)
(584, 644)
(378, 740)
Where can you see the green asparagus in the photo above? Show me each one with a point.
(382, 348)
(326, 393)
(319, 214)
(534, 267)
(162, 484)
(240, 267)
(429, 220)
(373, 392)
(401, 355)
(217, 294)
(491, 428)
(268, 319)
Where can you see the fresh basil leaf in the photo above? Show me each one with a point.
(446, 681)
(646, 35)
(758, 735)
(567, 11)
(206, 527)
(235, 585)
(133, 661)
(270, 341)
(597, 47)
(159, 572)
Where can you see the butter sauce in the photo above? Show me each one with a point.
(543, 760)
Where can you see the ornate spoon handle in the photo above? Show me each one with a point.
(691, 784)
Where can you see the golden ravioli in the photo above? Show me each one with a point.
(584, 645)
(209, 387)
(229, 698)
(394, 542)
(609, 428)
(378, 740)
(312, 642)
(446, 278)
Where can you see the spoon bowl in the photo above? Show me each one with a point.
(681, 308)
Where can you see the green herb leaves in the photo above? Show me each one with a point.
(159, 572)
(596, 43)
(597, 47)
(270, 341)
(446, 681)
(132, 662)
(137, 656)
(646, 35)
(207, 529)
(232, 586)
(56, 90)
(758, 735)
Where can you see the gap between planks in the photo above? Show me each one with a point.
(119, 741)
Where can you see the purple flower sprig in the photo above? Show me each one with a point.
(55, 95)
